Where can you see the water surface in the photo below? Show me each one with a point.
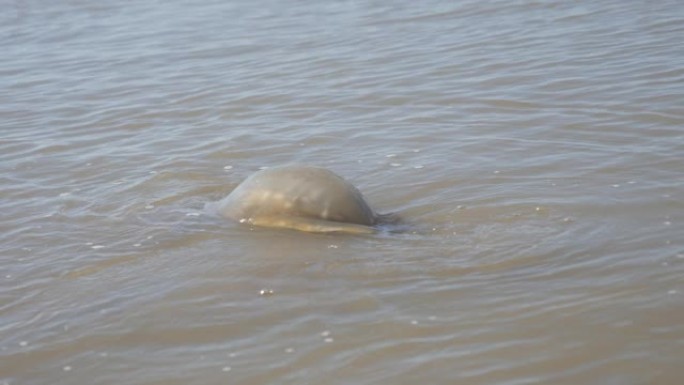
(536, 149)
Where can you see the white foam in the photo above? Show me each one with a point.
(266, 292)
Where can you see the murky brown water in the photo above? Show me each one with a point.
(536, 149)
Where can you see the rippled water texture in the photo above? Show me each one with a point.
(534, 148)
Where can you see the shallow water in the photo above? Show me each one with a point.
(534, 147)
